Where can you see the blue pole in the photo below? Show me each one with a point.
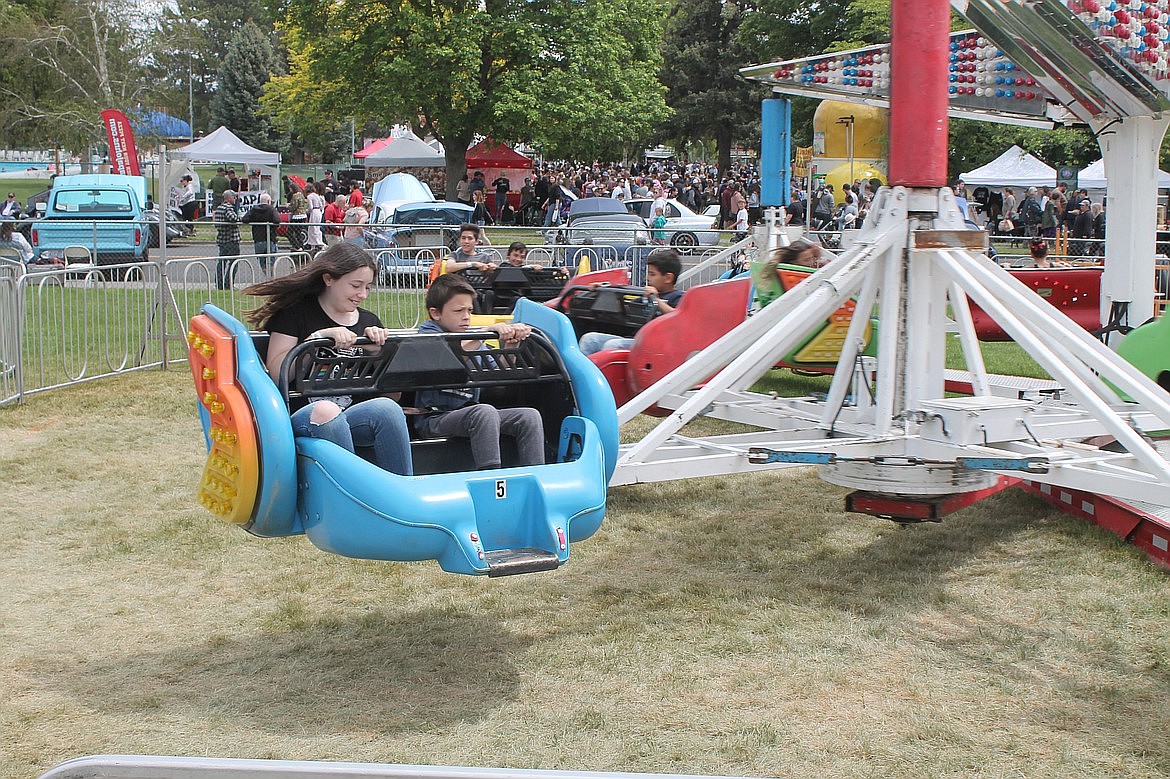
(775, 152)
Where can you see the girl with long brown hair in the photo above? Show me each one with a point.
(322, 301)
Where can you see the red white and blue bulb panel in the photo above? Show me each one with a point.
(1135, 30)
(981, 77)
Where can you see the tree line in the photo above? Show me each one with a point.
(580, 79)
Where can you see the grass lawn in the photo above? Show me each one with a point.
(24, 188)
(741, 625)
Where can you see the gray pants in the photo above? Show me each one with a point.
(484, 424)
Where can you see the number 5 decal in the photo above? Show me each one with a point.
(501, 489)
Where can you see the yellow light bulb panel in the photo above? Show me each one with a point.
(823, 347)
(230, 482)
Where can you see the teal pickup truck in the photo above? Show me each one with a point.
(101, 212)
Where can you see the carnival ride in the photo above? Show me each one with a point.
(886, 428)
(496, 522)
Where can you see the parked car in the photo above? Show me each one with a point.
(594, 206)
(429, 223)
(100, 212)
(684, 228)
(621, 232)
(602, 220)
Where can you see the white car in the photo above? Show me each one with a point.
(684, 228)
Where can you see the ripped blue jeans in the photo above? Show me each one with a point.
(378, 423)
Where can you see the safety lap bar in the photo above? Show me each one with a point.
(417, 361)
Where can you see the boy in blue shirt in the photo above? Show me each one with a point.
(663, 267)
(457, 412)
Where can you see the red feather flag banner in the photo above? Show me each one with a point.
(123, 154)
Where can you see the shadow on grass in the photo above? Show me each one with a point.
(791, 542)
(387, 672)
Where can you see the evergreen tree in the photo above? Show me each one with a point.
(189, 47)
(241, 78)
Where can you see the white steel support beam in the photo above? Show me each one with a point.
(1130, 148)
(822, 285)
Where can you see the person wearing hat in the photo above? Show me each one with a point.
(331, 183)
(233, 180)
(218, 185)
(824, 206)
(186, 201)
(1083, 228)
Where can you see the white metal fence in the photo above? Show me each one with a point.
(64, 325)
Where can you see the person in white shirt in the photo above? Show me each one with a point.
(10, 239)
(316, 198)
(659, 200)
(741, 223)
(188, 194)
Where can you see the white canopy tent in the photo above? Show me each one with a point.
(409, 151)
(223, 145)
(1093, 177)
(1014, 168)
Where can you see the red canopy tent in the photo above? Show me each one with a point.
(489, 154)
(372, 147)
(504, 161)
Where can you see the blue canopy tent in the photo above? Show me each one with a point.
(151, 122)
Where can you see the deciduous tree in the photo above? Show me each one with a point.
(65, 61)
(792, 29)
(976, 143)
(577, 77)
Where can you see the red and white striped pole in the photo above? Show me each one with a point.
(920, 45)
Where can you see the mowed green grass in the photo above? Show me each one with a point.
(738, 625)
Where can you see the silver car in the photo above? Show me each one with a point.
(684, 228)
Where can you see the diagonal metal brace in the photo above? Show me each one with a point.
(758, 455)
(1025, 464)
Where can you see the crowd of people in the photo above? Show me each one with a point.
(1031, 215)
(1040, 212)
(548, 192)
(321, 213)
(550, 189)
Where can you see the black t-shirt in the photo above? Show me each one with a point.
(306, 317)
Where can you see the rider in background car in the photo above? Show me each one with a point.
(663, 267)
